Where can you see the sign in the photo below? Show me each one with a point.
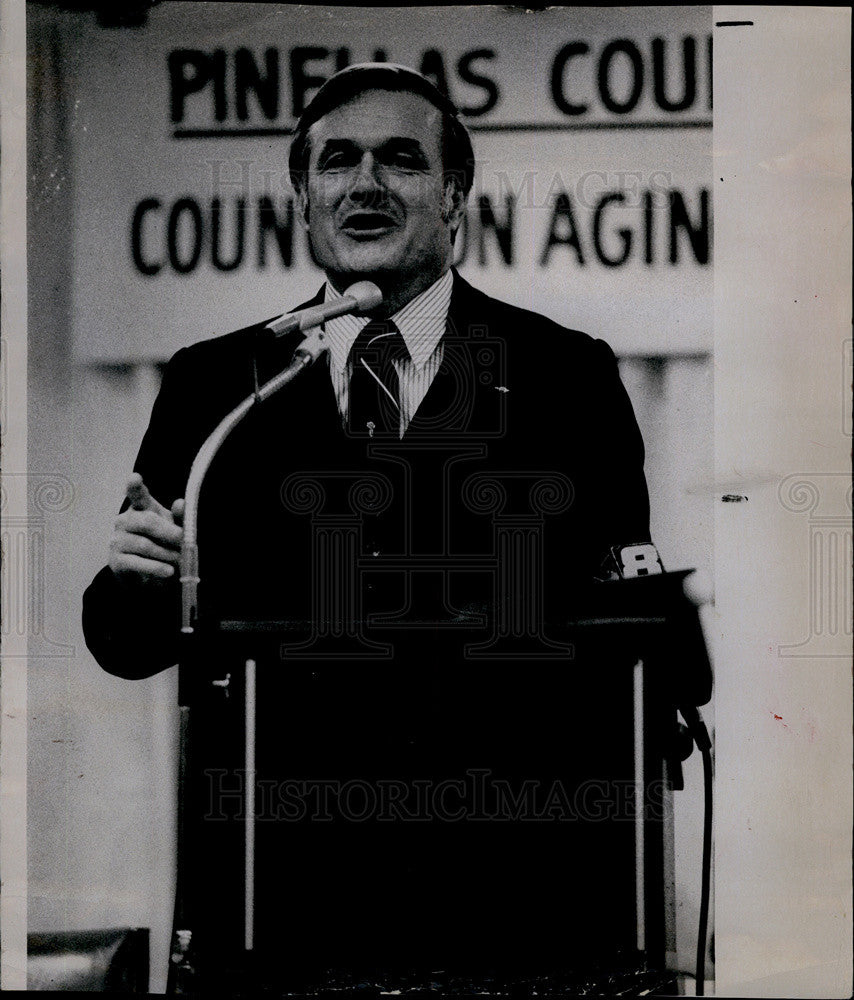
(591, 129)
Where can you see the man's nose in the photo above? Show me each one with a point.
(366, 180)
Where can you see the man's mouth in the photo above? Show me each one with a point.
(368, 225)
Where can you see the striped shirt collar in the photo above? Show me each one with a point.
(421, 323)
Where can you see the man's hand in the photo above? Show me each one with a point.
(146, 542)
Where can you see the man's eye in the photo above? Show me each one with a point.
(334, 161)
(404, 160)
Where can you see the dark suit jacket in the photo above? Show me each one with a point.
(520, 406)
(421, 588)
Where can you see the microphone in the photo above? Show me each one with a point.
(627, 562)
(359, 298)
(633, 590)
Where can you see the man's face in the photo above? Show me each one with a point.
(376, 202)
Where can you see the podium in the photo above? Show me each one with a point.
(392, 819)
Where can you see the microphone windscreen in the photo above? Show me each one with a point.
(366, 294)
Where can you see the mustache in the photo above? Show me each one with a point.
(370, 201)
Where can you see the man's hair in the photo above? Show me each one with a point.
(457, 153)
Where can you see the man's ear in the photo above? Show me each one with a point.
(453, 203)
(302, 205)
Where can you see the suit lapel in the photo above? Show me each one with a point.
(457, 395)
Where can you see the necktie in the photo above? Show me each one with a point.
(374, 394)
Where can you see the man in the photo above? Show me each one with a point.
(470, 463)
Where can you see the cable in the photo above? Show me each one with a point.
(698, 729)
(707, 873)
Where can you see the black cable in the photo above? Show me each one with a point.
(707, 873)
(698, 729)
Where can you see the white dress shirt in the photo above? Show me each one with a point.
(421, 323)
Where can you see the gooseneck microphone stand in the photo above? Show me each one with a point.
(307, 352)
(359, 298)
